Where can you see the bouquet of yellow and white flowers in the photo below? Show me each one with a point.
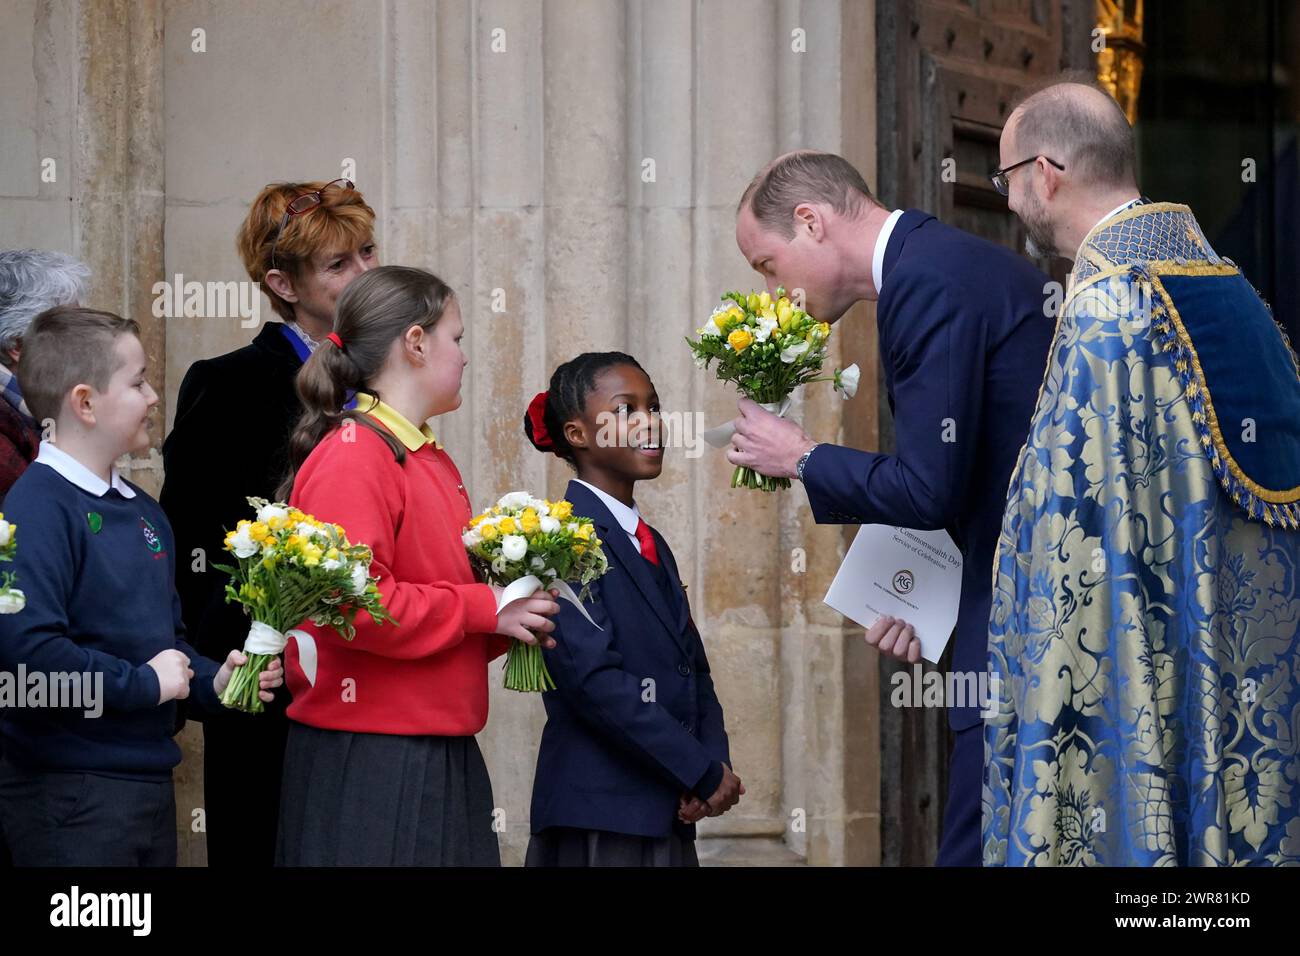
(522, 544)
(12, 600)
(292, 568)
(768, 348)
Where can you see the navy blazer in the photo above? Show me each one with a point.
(634, 721)
(964, 336)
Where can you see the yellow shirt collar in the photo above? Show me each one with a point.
(413, 438)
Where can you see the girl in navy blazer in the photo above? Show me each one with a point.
(635, 750)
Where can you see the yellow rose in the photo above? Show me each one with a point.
(530, 522)
(489, 532)
(584, 532)
(507, 525)
(740, 340)
(561, 510)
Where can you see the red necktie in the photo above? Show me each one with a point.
(647, 541)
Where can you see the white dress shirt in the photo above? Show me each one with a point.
(627, 518)
(882, 243)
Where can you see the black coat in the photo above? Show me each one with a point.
(230, 439)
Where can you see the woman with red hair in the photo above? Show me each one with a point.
(304, 242)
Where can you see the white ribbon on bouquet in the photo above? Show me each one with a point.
(720, 437)
(264, 639)
(523, 587)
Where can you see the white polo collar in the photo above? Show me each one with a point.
(79, 474)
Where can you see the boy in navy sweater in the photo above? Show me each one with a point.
(87, 782)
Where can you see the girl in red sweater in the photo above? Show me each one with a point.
(381, 766)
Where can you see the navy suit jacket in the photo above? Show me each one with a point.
(963, 339)
(618, 751)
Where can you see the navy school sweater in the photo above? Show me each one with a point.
(98, 572)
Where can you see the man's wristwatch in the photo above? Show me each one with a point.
(803, 461)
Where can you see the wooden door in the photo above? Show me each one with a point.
(948, 72)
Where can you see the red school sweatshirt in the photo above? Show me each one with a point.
(428, 673)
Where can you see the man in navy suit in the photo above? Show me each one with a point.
(963, 335)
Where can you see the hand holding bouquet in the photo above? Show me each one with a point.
(768, 348)
(12, 600)
(292, 568)
(522, 544)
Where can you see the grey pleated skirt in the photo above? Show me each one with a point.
(352, 799)
(573, 846)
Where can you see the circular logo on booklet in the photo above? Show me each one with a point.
(150, 535)
(903, 582)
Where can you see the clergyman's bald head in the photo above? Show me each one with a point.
(1081, 127)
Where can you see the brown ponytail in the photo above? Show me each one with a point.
(374, 311)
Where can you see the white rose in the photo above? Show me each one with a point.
(243, 545)
(6, 532)
(360, 578)
(267, 512)
(789, 354)
(847, 381)
(12, 601)
(550, 525)
(514, 547)
(765, 329)
(515, 500)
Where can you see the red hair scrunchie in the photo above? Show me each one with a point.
(537, 418)
(334, 337)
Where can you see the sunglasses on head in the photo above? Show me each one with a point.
(301, 204)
